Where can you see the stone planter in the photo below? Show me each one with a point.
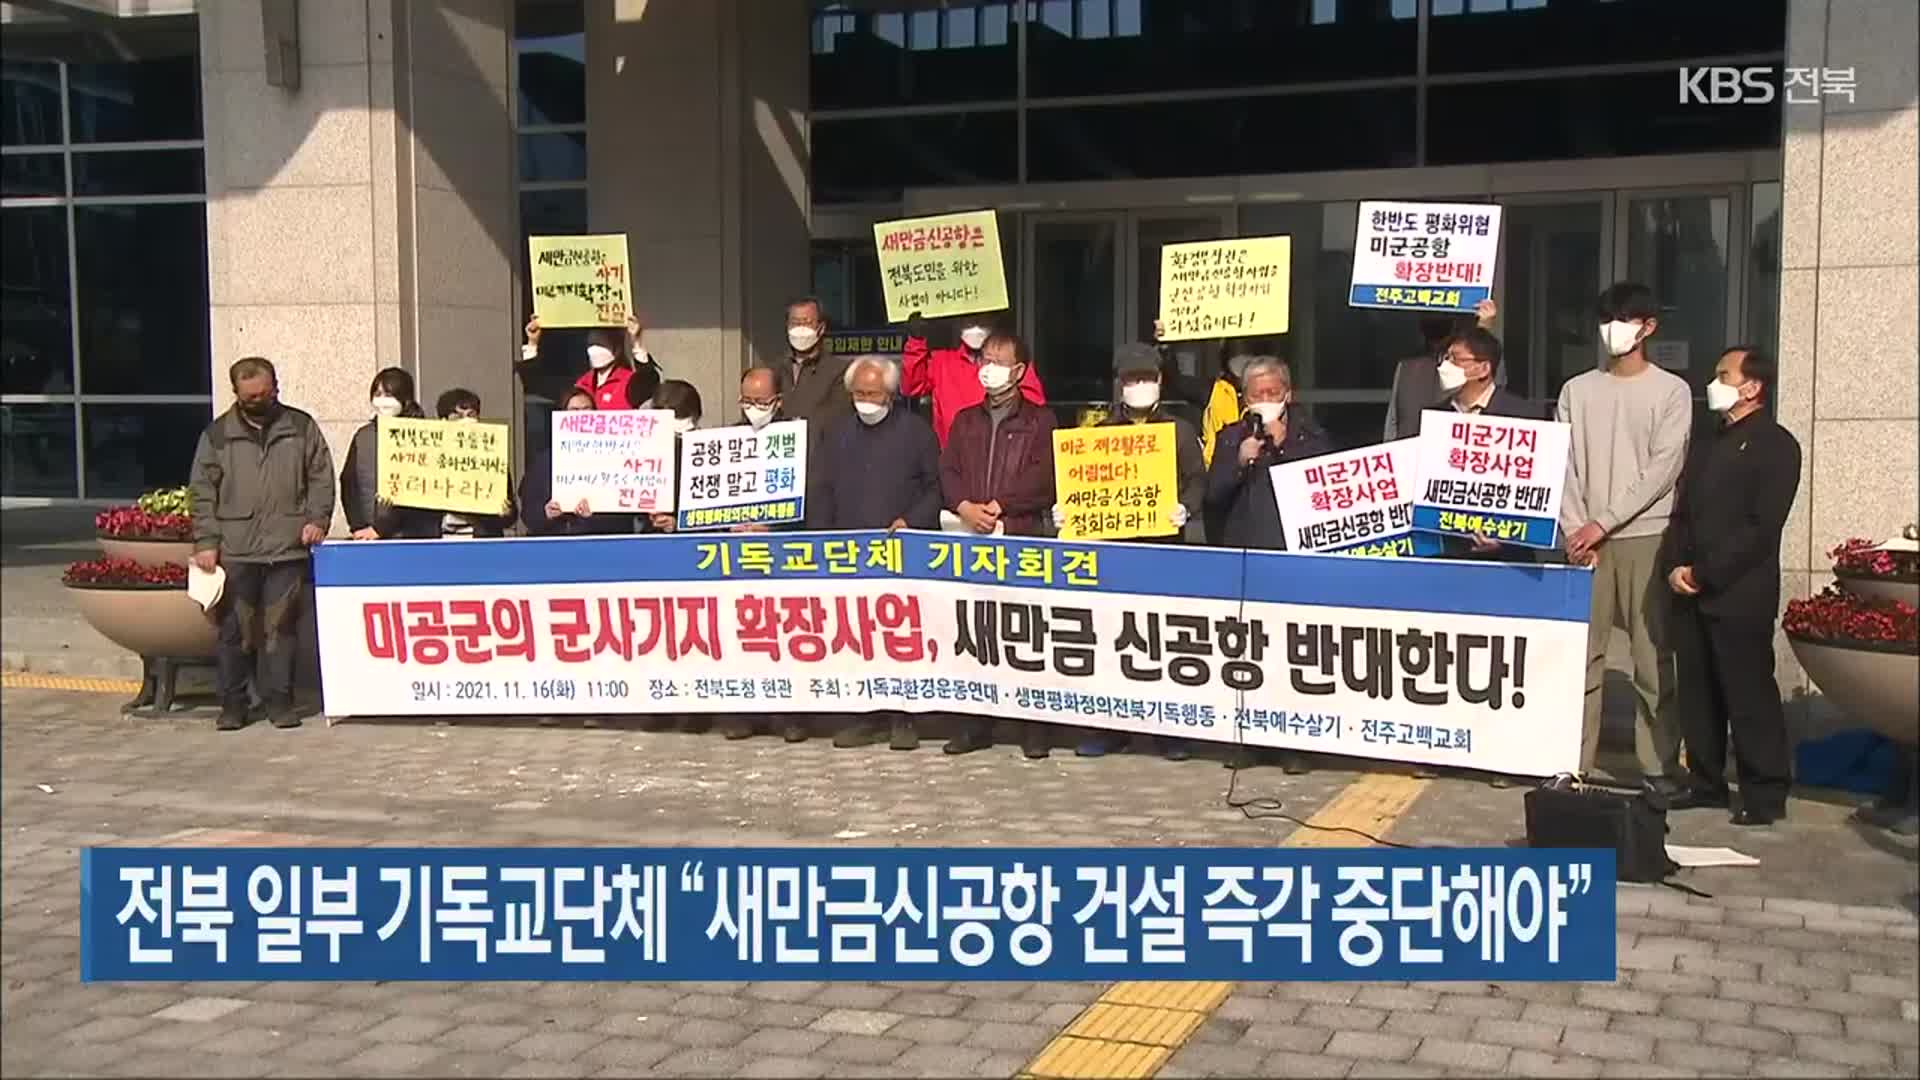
(1904, 590)
(152, 620)
(1873, 684)
(146, 552)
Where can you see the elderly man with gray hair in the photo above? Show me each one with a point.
(878, 468)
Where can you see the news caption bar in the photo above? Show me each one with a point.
(669, 914)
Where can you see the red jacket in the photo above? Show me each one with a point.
(951, 376)
(1021, 478)
(611, 394)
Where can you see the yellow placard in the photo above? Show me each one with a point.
(1116, 482)
(580, 280)
(454, 465)
(944, 265)
(1225, 288)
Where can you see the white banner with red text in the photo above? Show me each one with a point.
(1468, 664)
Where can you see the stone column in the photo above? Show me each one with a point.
(365, 219)
(697, 150)
(1849, 350)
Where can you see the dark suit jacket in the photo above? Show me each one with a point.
(1732, 505)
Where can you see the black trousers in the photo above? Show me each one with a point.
(1727, 686)
(259, 630)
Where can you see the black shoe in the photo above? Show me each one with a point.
(904, 736)
(1176, 750)
(1751, 818)
(1240, 758)
(967, 742)
(232, 718)
(1696, 799)
(1499, 781)
(1036, 749)
(1295, 764)
(283, 717)
(735, 730)
(860, 734)
(795, 731)
(697, 725)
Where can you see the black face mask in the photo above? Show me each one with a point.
(261, 411)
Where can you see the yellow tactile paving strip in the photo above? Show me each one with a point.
(33, 680)
(1131, 1031)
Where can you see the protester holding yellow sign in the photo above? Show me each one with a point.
(580, 280)
(939, 266)
(1225, 288)
(1116, 482)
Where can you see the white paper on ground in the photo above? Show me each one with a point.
(1708, 856)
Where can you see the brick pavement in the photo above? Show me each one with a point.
(1765, 982)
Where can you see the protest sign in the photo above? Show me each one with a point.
(1116, 482)
(943, 265)
(620, 461)
(739, 476)
(1225, 288)
(580, 280)
(1424, 256)
(1359, 502)
(1465, 664)
(455, 465)
(1493, 476)
(1092, 914)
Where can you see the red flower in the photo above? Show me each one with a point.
(1857, 559)
(133, 523)
(1840, 616)
(125, 572)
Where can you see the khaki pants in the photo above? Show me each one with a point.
(1630, 592)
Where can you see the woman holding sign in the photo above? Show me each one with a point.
(613, 360)
(368, 516)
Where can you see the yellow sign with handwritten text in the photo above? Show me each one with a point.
(580, 280)
(1225, 288)
(1117, 482)
(454, 465)
(944, 265)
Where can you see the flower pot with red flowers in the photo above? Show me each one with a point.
(1861, 650)
(1889, 570)
(143, 609)
(155, 531)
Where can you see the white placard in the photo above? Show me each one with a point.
(620, 461)
(1359, 501)
(739, 476)
(1424, 256)
(1494, 476)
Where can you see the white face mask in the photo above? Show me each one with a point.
(1268, 411)
(466, 419)
(1140, 395)
(995, 377)
(1619, 337)
(385, 406)
(684, 424)
(757, 415)
(1721, 397)
(802, 338)
(1452, 376)
(973, 337)
(599, 356)
(871, 412)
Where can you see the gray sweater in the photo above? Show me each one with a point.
(1629, 442)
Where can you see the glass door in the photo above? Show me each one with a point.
(1152, 230)
(1071, 312)
(1558, 256)
(1682, 245)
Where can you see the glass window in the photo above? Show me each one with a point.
(866, 59)
(1128, 46)
(140, 172)
(561, 156)
(1677, 246)
(138, 447)
(32, 174)
(557, 212)
(1552, 255)
(1505, 35)
(156, 97)
(1350, 424)
(36, 327)
(1073, 289)
(872, 160)
(1586, 117)
(37, 459)
(1763, 269)
(1346, 130)
(550, 44)
(143, 298)
(29, 103)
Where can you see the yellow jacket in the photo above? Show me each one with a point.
(1223, 408)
